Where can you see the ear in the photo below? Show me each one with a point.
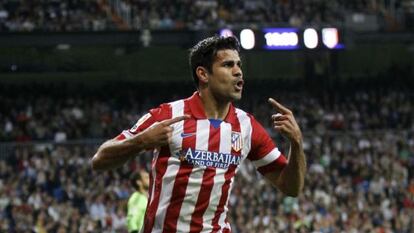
(202, 74)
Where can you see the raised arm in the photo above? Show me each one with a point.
(114, 153)
(290, 180)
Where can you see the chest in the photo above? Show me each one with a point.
(210, 143)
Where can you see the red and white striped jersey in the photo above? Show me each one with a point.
(192, 177)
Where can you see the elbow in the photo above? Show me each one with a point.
(291, 191)
(95, 163)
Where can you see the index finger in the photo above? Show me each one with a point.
(278, 106)
(176, 119)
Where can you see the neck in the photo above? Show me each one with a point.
(142, 190)
(213, 107)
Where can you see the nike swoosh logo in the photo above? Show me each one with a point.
(185, 135)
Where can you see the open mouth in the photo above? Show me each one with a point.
(239, 85)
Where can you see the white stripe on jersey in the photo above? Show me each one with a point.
(246, 131)
(153, 173)
(222, 221)
(225, 147)
(195, 180)
(272, 156)
(166, 190)
(177, 108)
(127, 134)
(172, 169)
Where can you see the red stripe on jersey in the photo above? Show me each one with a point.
(161, 113)
(223, 199)
(120, 137)
(181, 180)
(177, 197)
(207, 185)
(276, 165)
(161, 168)
(148, 122)
(261, 143)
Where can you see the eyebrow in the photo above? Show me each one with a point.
(231, 62)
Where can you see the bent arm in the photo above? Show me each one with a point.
(114, 153)
(290, 180)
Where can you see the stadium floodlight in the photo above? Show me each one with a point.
(247, 39)
(310, 38)
(330, 37)
(63, 46)
(226, 32)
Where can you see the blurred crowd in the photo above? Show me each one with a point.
(57, 112)
(203, 14)
(95, 15)
(51, 188)
(359, 143)
(53, 15)
(355, 183)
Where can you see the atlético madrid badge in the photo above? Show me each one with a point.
(236, 141)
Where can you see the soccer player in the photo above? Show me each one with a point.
(200, 142)
(137, 203)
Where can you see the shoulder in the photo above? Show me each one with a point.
(247, 118)
(134, 196)
(244, 116)
(165, 111)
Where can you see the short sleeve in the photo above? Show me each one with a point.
(264, 154)
(160, 113)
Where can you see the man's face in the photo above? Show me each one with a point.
(144, 180)
(226, 79)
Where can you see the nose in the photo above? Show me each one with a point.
(237, 71)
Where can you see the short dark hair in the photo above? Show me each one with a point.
(205, 51)
(133, 179)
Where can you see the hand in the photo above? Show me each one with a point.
(160, 133)
(284, 122)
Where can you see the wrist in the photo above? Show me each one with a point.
(297, 143)
(135, 143)
(296, 140)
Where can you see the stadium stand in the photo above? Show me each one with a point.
(99, 15)
(358, 133)
(359, 143)
(65, 114)
(52, 16)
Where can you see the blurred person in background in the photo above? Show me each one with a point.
(137, 203)
(200, 142)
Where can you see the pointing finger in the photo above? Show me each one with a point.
(176, 119)
(279, 107)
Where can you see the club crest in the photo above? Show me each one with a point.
(236, 141)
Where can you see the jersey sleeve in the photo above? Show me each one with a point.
(154, 115)
(264, 154)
